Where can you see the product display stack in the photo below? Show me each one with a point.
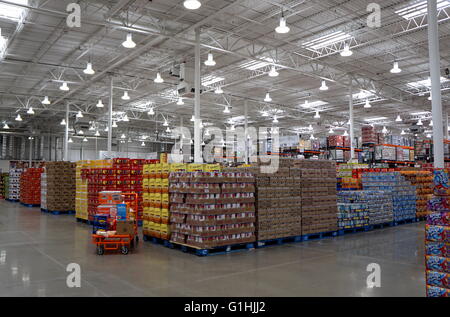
(437, 238)
(3, 185)
(6, 185)
(44, 191)
(364, 207)
(212, 209)
(81, 196)
(423, 181)
(349, 176)
(30, 186)
(14, 184)
(403, 193)
(60, 187)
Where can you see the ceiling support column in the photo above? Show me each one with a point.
(66, 135)
(435, 74)
(198, 157)
(246, 141)
(352, 134)
(110, 111)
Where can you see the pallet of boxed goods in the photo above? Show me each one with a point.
(403, 193)
(58, 188)
(3, 185)
(423, 181)
(212, 212)
(14, 184)
(81, 195)
(437, 238)
(30, 187)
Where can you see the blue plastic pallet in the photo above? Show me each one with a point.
(404, 221)
(155, 240)
(319, 235)
(382, 225)
(57, 212)
(278, 241)
(354, 230)
(82, 220)
(213, 251)
(30, 205)
(12, 200)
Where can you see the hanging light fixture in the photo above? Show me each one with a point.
(429, 135)
(226, 110)
(6, 126)
(158, 79)
(30, 110)
(218, 90)
(97, 133)
(273, 72)
(168, 130)
(81, 132)
(129, 43)
(430, 97)
(125, 118)
(207, 132)
(345, 133)
(143, 144)
(85, 139)
(192, 4)
(151, 112)
(92, 128)
(203, 143)
(180, 101)
(324, 86)
(80, 114)
(192, 118)
(265, 114)
(398, 119)
(268, 98)
(275, 119)
(431, 123)
(130, 140)
(114, 124)
(70, 140)
(403, 132)
(419, 122)
(64, 87)
(310, 128)
(63, 122)
(282, 28)
(45, 101)
(311, 137)
(18, 118)
(191, 141)
(384, 130)
(367, 105)
(100, 104)
(165, 124)
(125, 95)
(106, 129)
(210, 61)
(346, 52)
(89, 70)
(317, 115)
(395, 69)
(123, 136)
(331, 131)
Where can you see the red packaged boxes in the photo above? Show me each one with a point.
(30, 186)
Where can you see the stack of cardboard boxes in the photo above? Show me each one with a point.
(60, 186)
(14, 183)
(211, 209)
(423, 181)
(30, 186)
(81, 196)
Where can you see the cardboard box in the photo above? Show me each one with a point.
(124, 227)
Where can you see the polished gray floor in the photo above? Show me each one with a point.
(35, 249)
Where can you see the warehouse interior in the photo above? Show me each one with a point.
(350, 98)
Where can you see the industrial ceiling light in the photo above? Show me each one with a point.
(45, 101)
(30, 110)
(129, 43)
(125, 118)
(203, 143)
(317, 115)
(89, 70)
(419, 122)
(85, 139)
(429, 136)
(430, 97)
(100, 104)
(395, 69)
(384, 130)
(232, 128)
(92, 128)
(275, 119)
(114, 124)
(5, 126)
(165, 124)
(431, 123)
(125, 95)
(79, 114)
(324, 86)
(130, 140)
(168, 130)
(403, 132)
(192, 4)
(345, 133)
(311, 137)
(192, 118)
(210, 61)
(367, 105)
(331, 131)
(64, 87)
(106, 129)
(151, 112)
(282, 28)
(180, 102)
(265, 114)
(70, 140)
(18, 118)
(226, 110)
(398, 119)
(81, 132)
(158, 79)
(143, 144)
(346, 52)
(191, 142)
(218, 90)
(273, 72)
(268, 98)
(123, 136)
(207, 133)
(63, 122)
(97, 133)
(310, 128)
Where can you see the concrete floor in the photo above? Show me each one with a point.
(35, 249)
